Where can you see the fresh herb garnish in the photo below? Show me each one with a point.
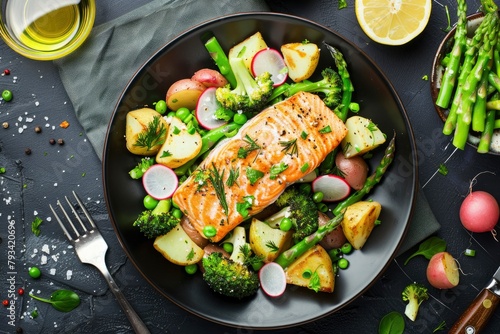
(392, 323)
(201, 178)
(440, 327)
(190, 255)
(252, 146)
(232, 179)
(272, 246)
(443, 169)
(243, 207)
(62, 300)
(429, 247)
(314, 282)
(166, 154)
(277, 169)
(304, 135)
(154, 134)
(326, 129)
(35, 226)
(304, 167)
(216, 179)
(253, 175)
(290, 147)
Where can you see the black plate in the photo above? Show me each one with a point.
(181, 58)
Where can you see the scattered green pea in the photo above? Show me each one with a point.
(240, 118)
(209, 231)
(346, 248)
(171, 114)
(34, 272)
(7, 95)
(322, 207)
(149, 202)
(228, 247)
(285, 224)
(335, 254)
(182, 113)
(318, 197)
(177, 213)
(161, 106)
(343, 263)
(191, 269)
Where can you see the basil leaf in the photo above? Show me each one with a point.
(429, 247)
(392, 323)
(62, 300)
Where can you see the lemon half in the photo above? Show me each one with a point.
(393, 22)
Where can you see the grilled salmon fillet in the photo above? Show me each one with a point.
(246, 173)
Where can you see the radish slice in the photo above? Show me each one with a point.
(333, 187)
(160, 182)
(205, 110)
(272, 279)
(270, 60)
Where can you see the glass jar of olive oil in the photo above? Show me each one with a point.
(46, 29)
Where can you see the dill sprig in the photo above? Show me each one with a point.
(252, 146)
(154, 134)
(234, 173)
(216, 179)
(290, 147)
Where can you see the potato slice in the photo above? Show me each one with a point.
(248, 48)
(362, 136)
(137, 123)
(178, 248)
(301, 59)
(180, 146)
(359, 221)
(184, 93)
(266, 241)
(318, 262)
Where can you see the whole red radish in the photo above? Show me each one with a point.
(479, 212)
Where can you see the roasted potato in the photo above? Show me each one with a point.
(266, 241)
(180, 146)
(184, 93)
(301, 59)
(209, 78)
(178, 248)
(359, 221)
(362, 136)
(137, 125)
(318, 262)
(247, 49)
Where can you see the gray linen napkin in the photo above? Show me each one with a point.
(95, 75)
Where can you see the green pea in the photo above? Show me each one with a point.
(177, 213)
(7, 95)
(191, 269)
(322, 207)
(335, 254)
(209, 231)
(318, 197)
(240, 119)
(285, 224)
(171, 114)
(149, 202)
(346, 248)
(343, 263)
(161, 106)
(307, 274)
(228, 247)
(182, 113)
(34, 272)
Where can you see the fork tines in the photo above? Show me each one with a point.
(77, 216)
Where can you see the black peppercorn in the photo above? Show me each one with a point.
(27, 151)
(60, 141)
(52, 141)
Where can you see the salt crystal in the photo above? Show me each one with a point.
(45, 249)
(52, 271)
(37, 103)
(55, 257)
(69, 273)
(43, 259)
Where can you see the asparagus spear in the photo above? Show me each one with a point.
(371, 181)
(347, 90)
(220, 58)
(290, 255)
(450, 73)
(485, 140)
(464, 111)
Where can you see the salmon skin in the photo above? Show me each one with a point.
(244, 174)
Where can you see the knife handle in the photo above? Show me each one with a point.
(477, 314)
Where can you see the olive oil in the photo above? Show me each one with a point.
(47, 25)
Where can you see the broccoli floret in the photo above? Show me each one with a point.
(158, 221)
(141, 168)
(229, 278)
(330, 86)
(302, 211)
(250, 94)
(414, 294)
(224, 114)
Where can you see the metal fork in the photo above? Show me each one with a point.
(91, 249)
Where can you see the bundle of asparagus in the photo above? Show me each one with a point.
(470, 86)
